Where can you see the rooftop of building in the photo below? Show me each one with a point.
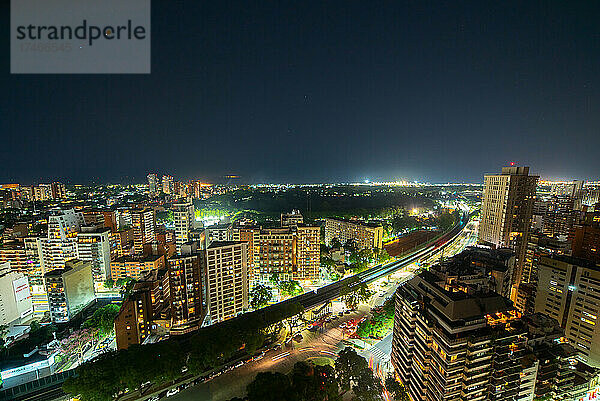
(221, 226)
(94, 230)
(138, 258)
(459, 305)
(371, 224)
(69, 265)
(572, 260)
(151, 276)
(220, 244)
(12, 245)
(473, 259)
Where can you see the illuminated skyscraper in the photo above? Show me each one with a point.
(567, 290)
(93, 246)
(167, 184)
(227, 279)
(506, 212)
(143, 221)
(153, 184)
(60, 244)
(183, 215)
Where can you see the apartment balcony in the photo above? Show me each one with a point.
(472, 367)
(476, 381)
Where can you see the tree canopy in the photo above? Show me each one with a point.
(310, 382)
(354, 293)
(103, 319)
(110, 374)
(260, 295)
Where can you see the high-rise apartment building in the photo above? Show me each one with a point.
(70, 290)
(590, 196)
(153, 186)
(568, 290)
(308, 252)
(455, 342)
(144, 223)
(24, 257)
(168, 185)
(217, 232)
(60, 244)
(586, 237)
(42, 192)
(291, 251)
(184, 218)
(93, 245)
(58, 190)
(250, 234)
(146, 311)
(364, 234)
(226, 279)
(185, 284)
(291, 219)
(276, 254)
(541, 245)
(135, 267)
(201, 190)
(561, 215)
(571, 189)
(480, 267)
(506, 212)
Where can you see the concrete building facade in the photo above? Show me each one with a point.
(506, 213)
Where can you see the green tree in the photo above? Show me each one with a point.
(311, 382)
(348, 367)
(381, 255)
(327, 261)
(269, 386)
(327, 383)
(290, 288)
(368, 387)
(97, 381)
(260, 295)
(3, 333)
(103, 319)
(396, 389)
(446, 220)
(109, 283)
(350, 246)
(292, 314)
(403, 222)
(274, 278)
(354, 293)
(361, 258)
(335, 243)
(3, 330)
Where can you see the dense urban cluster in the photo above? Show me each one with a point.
(515, 318)
(141, 291)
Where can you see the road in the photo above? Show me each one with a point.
(314, 346)
(324, 345)
(378, 354)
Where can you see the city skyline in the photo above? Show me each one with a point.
(299, 201)
(393, 91)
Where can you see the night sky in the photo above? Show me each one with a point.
(322, 91)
